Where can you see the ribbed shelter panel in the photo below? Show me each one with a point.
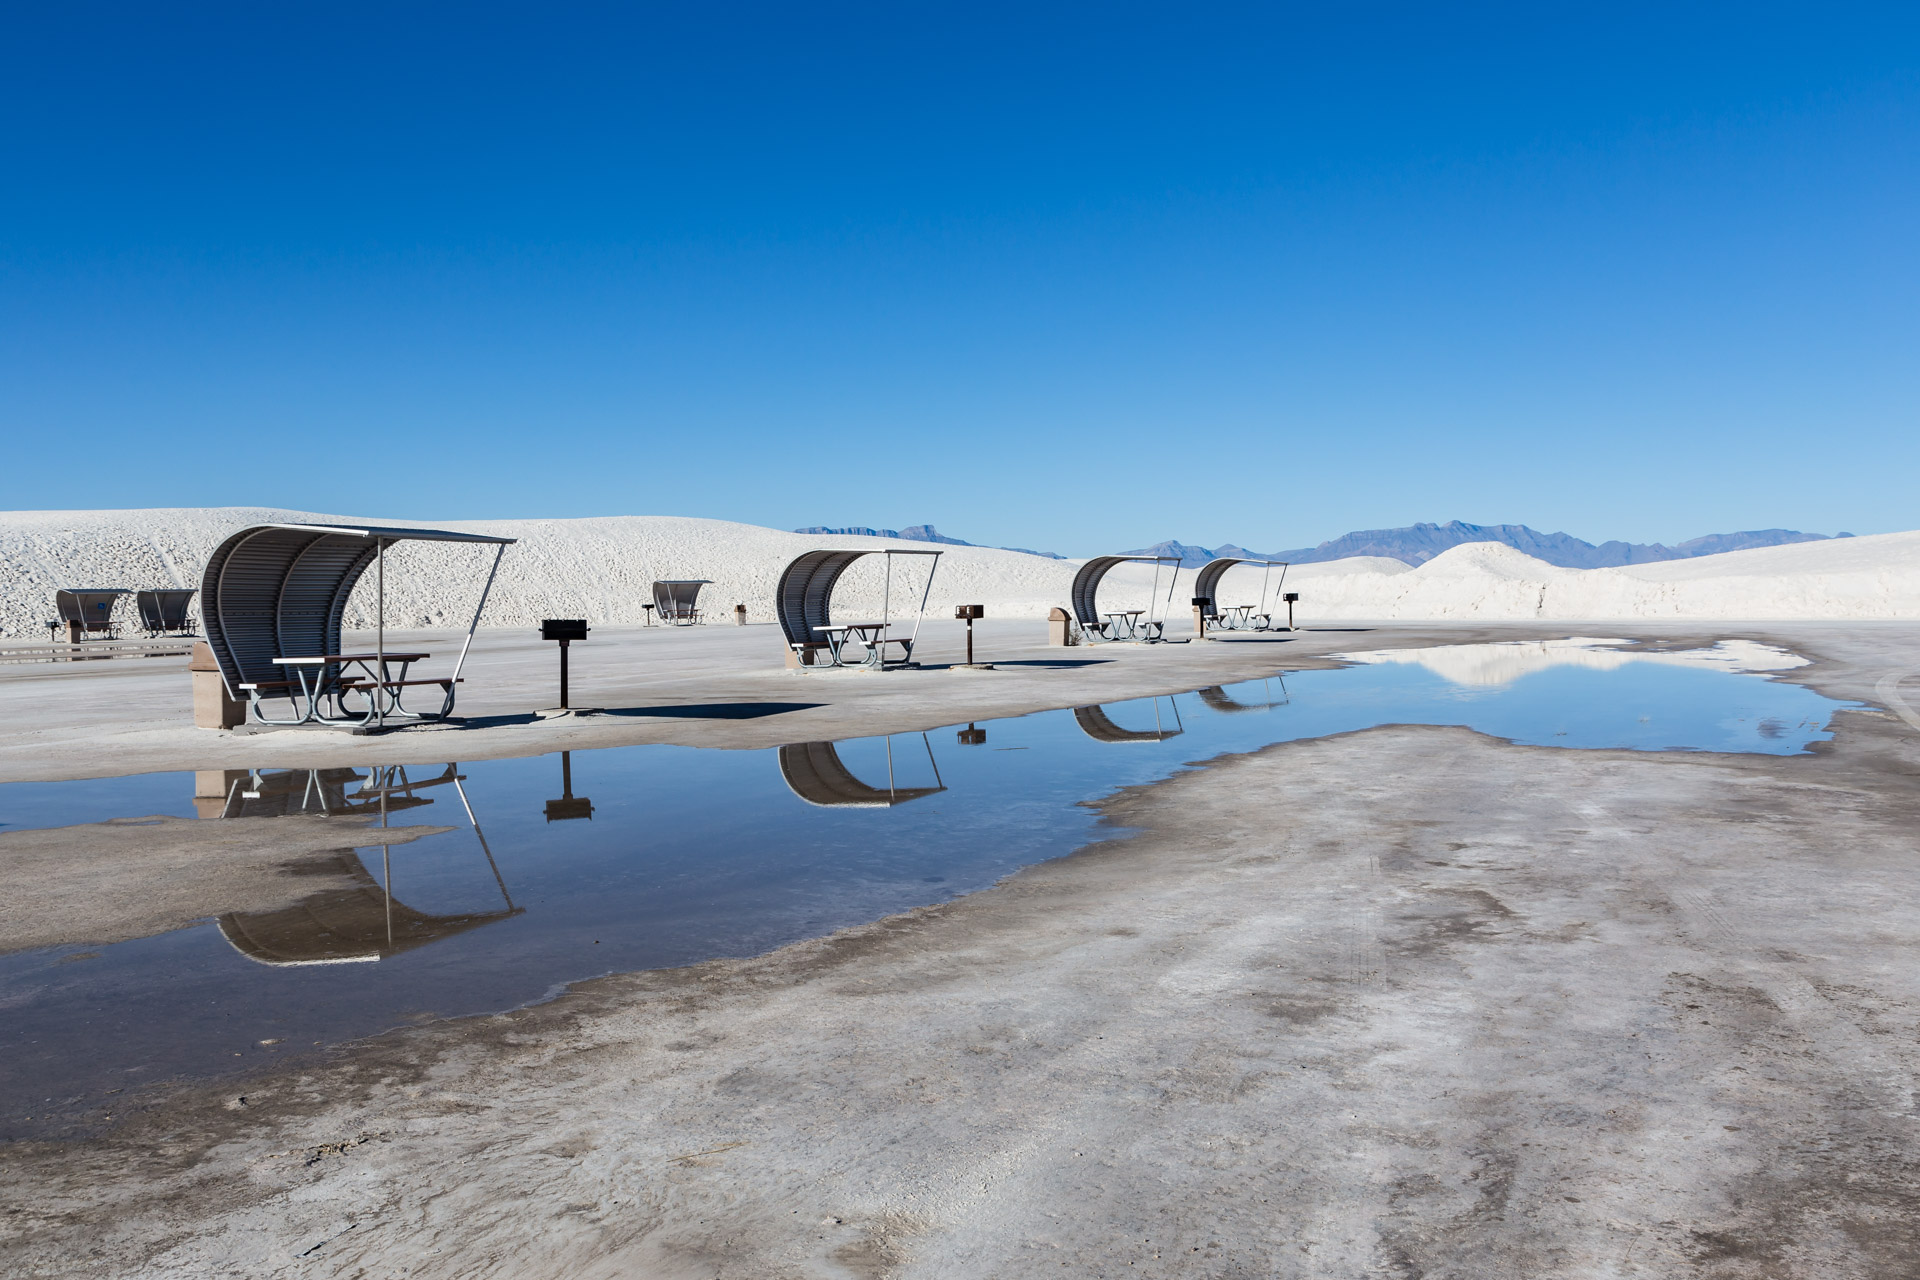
(806, 590)
(815, 773)
(1086, 587)
(273, 592)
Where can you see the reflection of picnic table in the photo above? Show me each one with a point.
(871, 635)
(335, 677)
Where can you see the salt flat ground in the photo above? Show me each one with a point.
(1408, 1001)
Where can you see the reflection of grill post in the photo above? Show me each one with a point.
(568, 805)
(563, 630)
(971, 737)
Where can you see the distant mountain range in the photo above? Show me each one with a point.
(913, 533)
(1419, 543)
(1416, 544)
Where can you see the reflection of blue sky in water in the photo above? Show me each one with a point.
(693, 854)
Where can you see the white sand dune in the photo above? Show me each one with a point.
(602, 569)
(1870, 577)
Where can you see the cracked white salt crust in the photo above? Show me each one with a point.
(603, 568)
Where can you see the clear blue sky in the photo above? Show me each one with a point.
(1072, 277)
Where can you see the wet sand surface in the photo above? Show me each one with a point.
(1408, 1001)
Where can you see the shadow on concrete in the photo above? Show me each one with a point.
(715, 710)
(1051, 663)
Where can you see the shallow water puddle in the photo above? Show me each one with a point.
(501, 881)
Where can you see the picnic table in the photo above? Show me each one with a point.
(1125, 622)
(335, 677)
(872, 635)
(1235, 617)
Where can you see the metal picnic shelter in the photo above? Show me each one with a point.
(1138, 625)
(164, 609)
(803, 598)
(677, 600)
(1253, 617)
(86, 609)
(273, 598)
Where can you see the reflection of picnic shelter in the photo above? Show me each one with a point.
(1101, 727)
(86, 610)
(1127, 624)
(815, 773)
(341, 926)
(677, 600)
(1217, 698)
(362, 921)
(279, 591)
(803, 600)
(1256, 617)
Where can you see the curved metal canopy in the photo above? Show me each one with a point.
(1086, 584)
(280, 590)
(1212, 571)
(805, 591)
(815, 773)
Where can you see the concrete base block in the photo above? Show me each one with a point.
(213, 707)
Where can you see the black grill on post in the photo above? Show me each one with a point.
(969, 612)
(563, 630)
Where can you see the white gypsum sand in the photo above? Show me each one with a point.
(602, 569)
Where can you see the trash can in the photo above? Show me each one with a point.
(1059, 627)
(739, 615)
